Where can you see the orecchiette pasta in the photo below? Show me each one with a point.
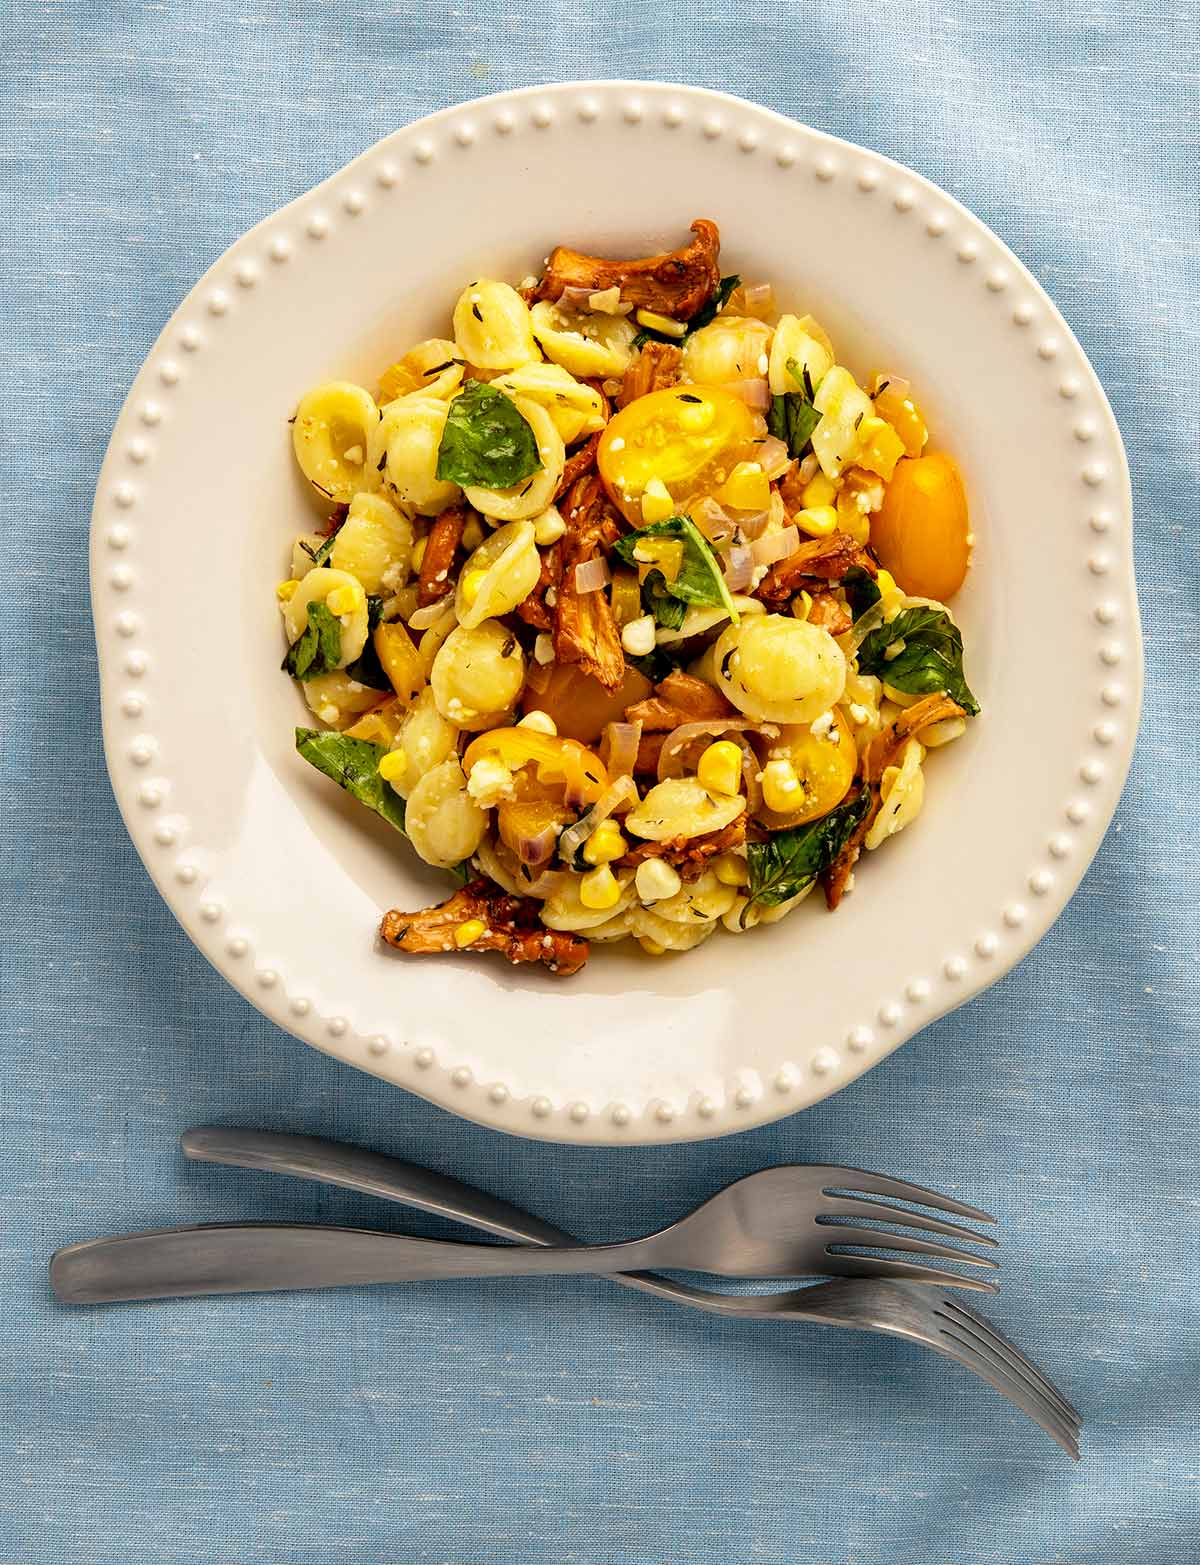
(492, 326)
(433, 367)
(564, 909)
(331, 436)
(443, 822)
(730, 349)
(587, 345)
(316, 587)
(426, 739)
(535, 494)
(374, 543)
(501, 573)
(656, 934)
(794, 342)
(780, 670)
(698, 901)
(680, 807)
(902, 789)
(744, 914)
(477, 675)
(303, 550)
(576, 409)
(407, 441)
(337, 699)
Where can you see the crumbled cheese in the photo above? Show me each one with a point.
(328, 713)
(757, 575)
(394, 577)
(638, 636)
(859, 714)
(551, 597)
(543, 648)
(489, 782)
(821, 725)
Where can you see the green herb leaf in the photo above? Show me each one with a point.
(707, 313)
(788, 861)
(486, 441)
(354, 765)
(930, 658)
(367, 668)
(792, 419)
(318, 649)
(704, 316)
(860, 589)
(700, 578)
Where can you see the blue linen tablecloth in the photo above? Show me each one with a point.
(566, 1422)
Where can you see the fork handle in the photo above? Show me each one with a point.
(272, 1257)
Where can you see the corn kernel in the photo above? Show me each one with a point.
(657, 504)
(802, 605)
(880, 447)
(344, 600)
(285, 589)
(599, 888)
(652, 947)
(656, 880)
(418, 553)
(467, 934)
(781, 787)
(747, 488)
(605, 844)
(472, 534)
(540, 722)
(720, 768)
(471, 584)
(549, 527)
(695, 417)
(393, 765)
(730, 869)
(663, 323)
(637, 637)
(819, 491)
(817, 521)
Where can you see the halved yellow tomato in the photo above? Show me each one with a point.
(689, 437)
(579, 704)
(920, 535)
(561, 769)
(906, 418)
(824, 765)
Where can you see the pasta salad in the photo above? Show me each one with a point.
(629, 609)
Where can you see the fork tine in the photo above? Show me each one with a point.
(1016, 1388)
(881, 1239)
(1017, 1367)
(861, 1180)
(883, 1267)
(864, 1206)
(1007, 1351)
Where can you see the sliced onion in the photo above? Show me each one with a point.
(591, 575)
(868, 621)
(616, 794)
(751, 523)
(774, 457)
(713, 520)
(809, 468)
(758, 299)
(775, 546)
(574, 298)
(537, 675)
(755, 393)
(548, 884)
(537, 848)
(620, 747)
(739, 567)
(422, 619)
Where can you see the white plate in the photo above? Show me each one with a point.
(280, 880)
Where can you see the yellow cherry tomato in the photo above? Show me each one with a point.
(824, 764)
(562, 769)
(906, 418)
(920, 535)
(689, 437)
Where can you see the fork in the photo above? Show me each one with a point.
(930, 1317)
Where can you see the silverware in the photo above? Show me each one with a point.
(895, 1308)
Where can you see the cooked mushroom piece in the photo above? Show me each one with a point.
(677, 283)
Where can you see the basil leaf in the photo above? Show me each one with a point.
(486, 441)
(930, 658)
(792, 416)
(700, 578)
(788, 861)
(704, 316)
(667, 611)
(354, 765)
(318, 649)
(860, 589)
(367, 668)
